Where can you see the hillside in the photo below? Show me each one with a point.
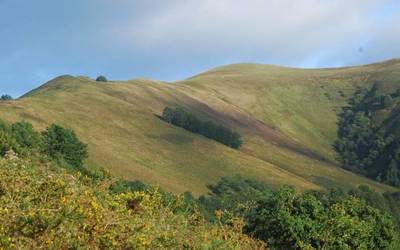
(287, 117)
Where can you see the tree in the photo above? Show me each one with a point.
(209, 129)
(293, 220)
(168, 114)
(25, 135)
(181, 118)
(392, 175)
(235, 194)
(63, 143)
(287, 220)
(236, 140)
(6, 97)
(101, 79)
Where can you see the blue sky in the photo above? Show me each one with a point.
(174, 39)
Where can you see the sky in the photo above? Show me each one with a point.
(171, 40)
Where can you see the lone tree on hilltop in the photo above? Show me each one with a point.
(101, 79)
(6, 97)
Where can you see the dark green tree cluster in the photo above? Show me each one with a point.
(181, 118)
(101, 79)
(62, 143)
(6, 97)
(363, 145)
(294, 220)
(388, 202)
(288, 219)
(55, 142)
(234, 194)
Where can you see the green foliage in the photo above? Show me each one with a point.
(62, 143)
(363, 145)
(101, 79)
(4, 126)
(6, 98)
(55, 142)
(181, 118)
(388, 202)
(292, 220)
(8, 143)
(288, 219)
(234, 194)
(25, 135)
(124, 186)
(46, 208)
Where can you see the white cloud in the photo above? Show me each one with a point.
(286, 31)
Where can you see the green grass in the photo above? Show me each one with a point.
(286, 116)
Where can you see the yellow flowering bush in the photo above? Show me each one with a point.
(50, 208)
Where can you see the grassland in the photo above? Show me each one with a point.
(286, 116)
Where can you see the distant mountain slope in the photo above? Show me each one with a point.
(287, 118)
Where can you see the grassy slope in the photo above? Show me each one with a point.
(287, 117)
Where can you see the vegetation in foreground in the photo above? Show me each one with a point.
(288, 219)
(50, 201)
(47, 192)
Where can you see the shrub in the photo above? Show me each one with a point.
(123, 186)
(101, 79)
(8, 143)
(6, 97)
(49, 209)
(234, 194)
(25, 135)
(59, 142)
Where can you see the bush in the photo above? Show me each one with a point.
(25, 135)
(101, 79)
(59, 142)
(123, 186)
(50, 209)
(6, 98)
(234, 194)
(8, 143)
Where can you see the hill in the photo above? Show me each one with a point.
(287, 118)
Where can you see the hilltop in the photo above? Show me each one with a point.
(287, 117)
